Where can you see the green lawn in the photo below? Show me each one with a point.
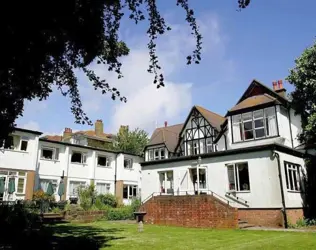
(110, 235)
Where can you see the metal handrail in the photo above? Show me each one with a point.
(189, 192)
(238, 199)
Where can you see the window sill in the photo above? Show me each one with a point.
(294, 191)
(260, 139)
(237, 192)
(44, 159)
(99, 166)
(77, 163)
(14, 150)
(131, 169)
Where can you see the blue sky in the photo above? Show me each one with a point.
(259, 42)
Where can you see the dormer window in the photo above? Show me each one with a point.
(156, 154)
(254, 125)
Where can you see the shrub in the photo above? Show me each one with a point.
(87, 196)
(107, 199)
(136, 203)
(122, 213)
(56, 210)
(73, 208)
(40, 195)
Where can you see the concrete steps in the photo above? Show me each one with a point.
(244, 224)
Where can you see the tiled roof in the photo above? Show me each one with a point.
(168, 135)
(254, 101)
(92, 134)
(53, 137)
(214, 119)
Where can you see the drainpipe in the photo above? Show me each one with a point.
(275, 154)
(290, 122)
(115, 174)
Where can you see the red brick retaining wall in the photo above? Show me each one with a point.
(85, 216)
(269, 217)
(190, 211)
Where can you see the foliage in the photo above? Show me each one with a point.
(70, 36)
(107, 199)
(100, 144)
(56, 210)
(131, 141)
(120, 213)
(303, 222)
(40, 195)
(303, 77)
(135, 205)
(72, 208)
(87, 196)
(15, 221)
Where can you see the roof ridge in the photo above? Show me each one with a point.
(197, 106)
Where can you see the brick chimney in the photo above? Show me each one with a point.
(280, 89)
(166, 124)
(275, 86)
(98, 127)
(67, 133)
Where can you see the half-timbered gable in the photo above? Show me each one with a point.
(199, 132)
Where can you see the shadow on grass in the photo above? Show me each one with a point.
(62, 236)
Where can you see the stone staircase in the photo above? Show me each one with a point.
(244, 224)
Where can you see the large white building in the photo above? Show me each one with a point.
(248, 158)
(32, 162)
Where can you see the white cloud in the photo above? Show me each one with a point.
(146, 104)
(31, 125)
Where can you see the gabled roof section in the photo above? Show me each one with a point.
(52, 137)
(258, 88)
(166, 135)
(254, 101)
(92, 134)
(214, 119)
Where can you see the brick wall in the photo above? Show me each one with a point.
(84, 216)
(294, 214)
(190, 211)
(269, 217)
(262, 217)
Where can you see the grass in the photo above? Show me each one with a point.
(116, 235)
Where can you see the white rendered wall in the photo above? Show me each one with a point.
(263, 177)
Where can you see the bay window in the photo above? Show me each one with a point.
(166, 182)
(254, 125)
(238, 177)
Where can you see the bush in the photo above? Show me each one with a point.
(40, 195)
(87, 196)
(106, 199)
(73, 208)
(122, 213)
(136, 203)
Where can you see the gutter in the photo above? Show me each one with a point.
(275, 154)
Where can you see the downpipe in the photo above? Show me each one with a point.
(277, 156)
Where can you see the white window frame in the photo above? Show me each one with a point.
(150, 154)
(53, 181)
(236, 177)
(71, 192)
(107, 161)
(130, 163)
(290, 181)
(241, 122)
(129, 187)
(55, 155)
(165, 173)
(24, 177)
(107, 187)
(84, 156)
